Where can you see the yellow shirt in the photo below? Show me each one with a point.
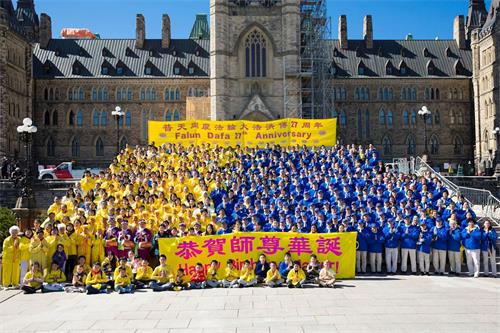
(128, 271)
(247, 274)
(159, 277)
(56, 276)
(29, 276)
(24, 247)
(122, 280)
(296, 277)
(144, 274)
(273, 276)
(213, 275)
(11, 251)
(94, 278)
(231, 274)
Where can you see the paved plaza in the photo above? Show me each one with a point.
(370, 304)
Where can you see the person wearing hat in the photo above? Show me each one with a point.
(471, 240)
(409, 236)
(439, 246)
(375, 244)
(296, 277)
(362, 247)
(391, 238)
(424, 248)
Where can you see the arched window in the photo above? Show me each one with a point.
(387, 145)
(104, 118)
(177, 115)
(403, 94)
(458, 145)
(437, 117)
(360, 125)
(143, 94)
(168, 116)
(406, 118)
(190, 92)
(166, 94)
(70, 94)
(381, 117)
(255, 55)
(75, 147)
(46, 118)
(128, 119)
(81, 94)
(153, 94)
(46, 94)
(99, 147)
(55, 118)
(437, 93)
(452, 117)
(172, 94)
(411, 145)
(118, 93)
(51, 94)
(130, 94)
(71, 118)
(434, 143)
(390, 118)
(343, 118)
(460, 118)
(51, 147)
(94, 93)
(145, 115)
(95, 118)
(414, 94)
(79, 118)
(414, 118)
(177, 94)
(427, 94)
(123, 143)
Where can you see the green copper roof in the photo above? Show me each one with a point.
(200, 30)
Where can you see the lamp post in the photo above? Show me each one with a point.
(425, 113)
(496, 133)
(118, 114)
(26, 132)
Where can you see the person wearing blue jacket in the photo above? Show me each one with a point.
(362, 247)
(439, 246)
(471, 239)
(488, 249)
(453, 244)
(391, 238)
(424, 248)
(409, 236)
(375, 245)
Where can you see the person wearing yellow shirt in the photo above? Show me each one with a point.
(181, 281)
(123, 285)
(247, 276)
(38, 249)
(161, 276)
(96, 282)
(87, 183)
(273, 276)
(82, 261)
(54, 279)
(24, 247)
(123, 264)
(70, 248)
(33, 280)
(11, 258)
(231, 275)
(98, 247)
(143, 276)
(63, 212)
(84, 243)
(55, 207)
(296, 277)
(214, 278)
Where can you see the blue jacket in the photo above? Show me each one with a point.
(440, 238)
(391, 239)
(424, 244)
(409, 236)
(362, 240)
(488, 239)
(454, 240)
(472, 240)
(261, 270)
(375, 241)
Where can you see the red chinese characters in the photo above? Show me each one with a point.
(241, 244)
(167, 128)
(270, 245)
(214, 246)
(299, 245)
(188, 250)
(329, 245)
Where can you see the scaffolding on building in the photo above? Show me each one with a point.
(308, 87)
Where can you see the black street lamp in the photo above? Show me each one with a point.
(425, 113)
(118, 114)
(26, 132)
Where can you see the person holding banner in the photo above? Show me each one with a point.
(273, 276)
(296, 277)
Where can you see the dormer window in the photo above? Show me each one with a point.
(47, 66)
(335, 52)
(403, 68)
(177, 70)
(129, 52)
(148, 70)
(105, 70)
(174, 53)
(380, 52)
(151, 53)
(448, 52)
(403, 52)
(361, 68)
(77, 67)
(106, 52)
(191, 70)
(431, 69)
(119, 70)
(426, 52)
(388, 68)
(197, 53)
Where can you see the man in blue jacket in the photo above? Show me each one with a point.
(362, 247)
(488, 249)
(409, 236)
(471, 239)
(424, 248)
(439, 246)
(453, 244)
(375, 245)
(391, 237)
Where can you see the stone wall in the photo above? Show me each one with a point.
(44, 193)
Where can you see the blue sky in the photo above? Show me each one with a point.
(392, 19)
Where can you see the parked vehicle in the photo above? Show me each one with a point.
(64, 171)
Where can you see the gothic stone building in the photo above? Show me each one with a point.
(235, 67)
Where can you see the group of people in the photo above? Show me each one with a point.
(149, 193)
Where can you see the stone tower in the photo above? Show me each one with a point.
(254, 45)
(27, 19)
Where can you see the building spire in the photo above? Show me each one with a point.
(476, 16)
(28, 19)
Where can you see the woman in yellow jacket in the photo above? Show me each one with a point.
(84, 243)
(296, 277)
(24, 247)
(11, 258)
(33, 280)
(97, 252)
(38, 250)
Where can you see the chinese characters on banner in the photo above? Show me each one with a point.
(285, 132)
(339, 248)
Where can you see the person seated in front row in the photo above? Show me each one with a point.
(273, 276)
(312, 270)
(33, 279)
(123, 285)
(247, 276)
(198, 278)
(327, 275)
(261, 268)
(161, 276)
(54, 279)
(78, 281)
(83, 262)
(213, 275)
(122, 264)
(231, 275)
(96, 282)
(181, 281)
(296, 277)
(144, 275)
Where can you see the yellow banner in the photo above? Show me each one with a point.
(285, 132)
(339, 248)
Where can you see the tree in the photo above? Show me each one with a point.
(7, 220)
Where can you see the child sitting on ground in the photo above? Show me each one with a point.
(273, 277)
(247, 276)
(181, 281)
(54, 279)
(78, 282)
(123, 284)
(198, 278)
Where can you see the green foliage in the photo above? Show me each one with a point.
(7, 219)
